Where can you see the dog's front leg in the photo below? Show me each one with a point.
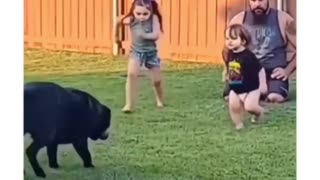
(32, 152)
(52, 150)
(81, 146)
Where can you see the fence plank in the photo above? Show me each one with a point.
(90, 23)
(175, 22)
(75, 21)
(183, 26)
(59, 24)
(212, 23)
(67, 19)
(193, 23)
(202, 24)
(98, 19)
(82, 22)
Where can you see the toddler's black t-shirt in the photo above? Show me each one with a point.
(243, 71)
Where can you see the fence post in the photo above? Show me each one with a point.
(114, 21)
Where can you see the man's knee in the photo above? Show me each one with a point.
(278, 91)
(275, 98)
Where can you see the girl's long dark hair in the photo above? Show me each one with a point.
(154, 9)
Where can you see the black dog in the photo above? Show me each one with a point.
(55, 115)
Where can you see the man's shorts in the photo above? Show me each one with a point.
(277, 85)
(148, 59)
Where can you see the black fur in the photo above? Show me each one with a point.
(55, 115)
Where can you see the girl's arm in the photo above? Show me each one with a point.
(263, 81)
(262, 76)
(125, 20)
(121, 21)
(225, 53)
(156, 29)
(224, 74)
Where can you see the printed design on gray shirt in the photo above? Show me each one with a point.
(261, 41)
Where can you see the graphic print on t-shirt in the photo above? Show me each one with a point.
(261, 41)
(235, 76)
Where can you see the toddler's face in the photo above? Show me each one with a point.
(232, 43)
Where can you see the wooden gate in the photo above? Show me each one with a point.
(73, 25)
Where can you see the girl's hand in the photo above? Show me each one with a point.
(224, 75)
(263, 88)
(155, 34)
(224, 78)
(141, 34)
(263, 82)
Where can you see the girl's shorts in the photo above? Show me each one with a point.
(148, 59)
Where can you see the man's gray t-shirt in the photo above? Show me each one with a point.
(267, 42)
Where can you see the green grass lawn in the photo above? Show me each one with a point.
(191, 138)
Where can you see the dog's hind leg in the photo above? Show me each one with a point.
(52, 155)
(81, 146)
(32, 152)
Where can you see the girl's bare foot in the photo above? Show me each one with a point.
(239, 126)
(258, 118)
(127, 109)
(160, 105)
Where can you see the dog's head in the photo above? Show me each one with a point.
(102, 125)
(100, 115)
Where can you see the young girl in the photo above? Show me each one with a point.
(145, 22)
(242, 76)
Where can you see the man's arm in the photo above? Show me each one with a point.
(288, 30)
(291, 66)
(291, 37)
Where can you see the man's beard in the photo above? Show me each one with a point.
(260, 18)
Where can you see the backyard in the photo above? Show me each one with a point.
(191, 138)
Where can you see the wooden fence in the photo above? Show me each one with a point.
(193, 29)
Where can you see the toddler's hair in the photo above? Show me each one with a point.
(238, 30)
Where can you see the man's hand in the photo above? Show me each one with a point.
(280, 73)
